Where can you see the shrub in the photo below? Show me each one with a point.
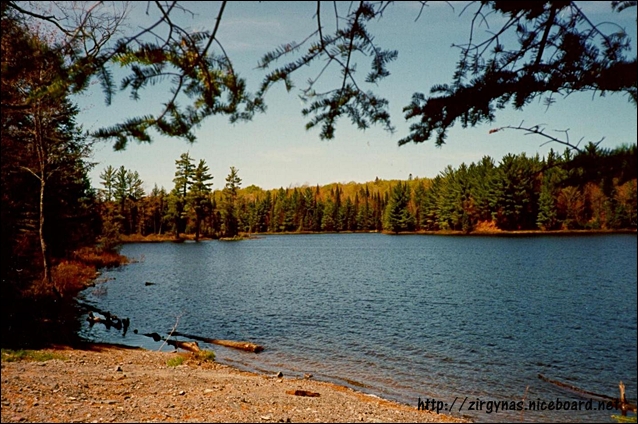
(70, 276)
(205, 355)
(100, 258)
(175, 361)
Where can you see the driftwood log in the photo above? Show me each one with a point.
(247, 346)
(618, 403)
(190, 346)
(624, 405)
(302, 393)
(109, 321)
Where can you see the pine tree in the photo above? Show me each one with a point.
(199, 194)
(397, 216)
(46, 198)
(328, 221)
(419, 198)
(229, 211)
(183, 180)
(108, 181)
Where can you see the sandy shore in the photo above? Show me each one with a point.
(106, 383)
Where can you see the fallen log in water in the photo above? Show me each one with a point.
(109, 321)
(618, 403)
(247, 346)
(190, 346)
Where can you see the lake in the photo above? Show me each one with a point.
(401, 317)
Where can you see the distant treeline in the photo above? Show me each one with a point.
(595, 189)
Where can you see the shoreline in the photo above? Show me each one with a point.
(489, 233)
(99, 382)
(154, 238)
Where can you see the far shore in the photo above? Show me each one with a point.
(160, 238)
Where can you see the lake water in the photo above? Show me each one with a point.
(401, 317)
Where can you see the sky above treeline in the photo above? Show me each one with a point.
(275, 150)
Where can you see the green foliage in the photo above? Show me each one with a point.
(198, 199)
(47, 202)
(518, 193)
(125, 187)
(364, 108)
(558, 50)
(183, 174)
(177, 200)
(229, 208)
(108, 181)
(624, 419)
(175, 361)
(397, 217)
(205, 355)
(514, 203)
(552, 49)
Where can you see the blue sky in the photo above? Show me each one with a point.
(274, 149)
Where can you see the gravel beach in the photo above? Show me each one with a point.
(107, 383)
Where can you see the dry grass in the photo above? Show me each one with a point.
(72, 276)
(99, 258)
(156, 238)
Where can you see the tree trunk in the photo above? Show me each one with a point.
(46, 278)
(42, 176)
(198, 222)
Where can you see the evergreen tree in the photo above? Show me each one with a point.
(177, 201)
(159, 209)
(338, 216)
(451, 199)
(552, 178)
(199, 194)
(397, 217)
(419, 199)
(514, 193)
(328, 219)
(309, 209)
(547, 211)
(430, 214)
(108, 181)
(229, 211)
(46, 198)
(317, 218)
(481, 178)
(263, 213)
